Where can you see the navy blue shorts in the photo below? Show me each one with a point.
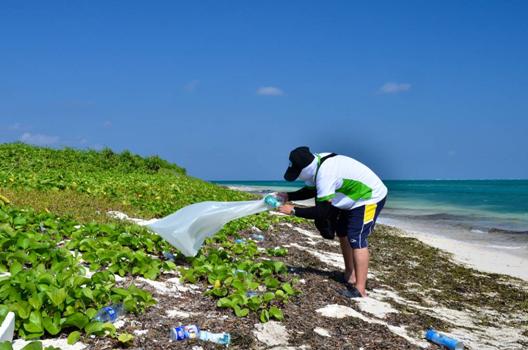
(358, 223)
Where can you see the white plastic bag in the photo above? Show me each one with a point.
(188, 228)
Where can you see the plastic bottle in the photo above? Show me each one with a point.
(185, 332)
(218, 338)
(272, 201)
(443, 340)
(257, 237)
(240, 240)
(110, 313)
(193, 332)
(169, 256)
(251, 293)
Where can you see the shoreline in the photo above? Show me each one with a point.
(470, 254)
(491, 258)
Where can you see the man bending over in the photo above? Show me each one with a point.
(348, 199)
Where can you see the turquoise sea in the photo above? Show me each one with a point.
(491, 210)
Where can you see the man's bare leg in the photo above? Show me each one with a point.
(361, 262)
(348, 256)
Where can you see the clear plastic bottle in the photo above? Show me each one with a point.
(218, 338)
(272, 201)
(185, 332)
(110, 313)
(169, 256)
(257, 237)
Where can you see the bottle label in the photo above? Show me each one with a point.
(178, 333)
(191, 331)
(111, 312)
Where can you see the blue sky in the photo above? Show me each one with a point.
(414, 89)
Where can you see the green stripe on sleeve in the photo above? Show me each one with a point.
(326, 198)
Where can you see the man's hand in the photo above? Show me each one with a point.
(283, 196)
(286, 209)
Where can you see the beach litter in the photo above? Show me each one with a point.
(187, 228)
(443, 340)
(110, 313)
(194, 332)
(8, 327)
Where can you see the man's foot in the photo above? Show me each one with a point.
(348, 278)
(351, 292)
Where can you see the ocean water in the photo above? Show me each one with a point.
(494, 212)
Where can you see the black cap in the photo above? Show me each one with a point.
(300, 158)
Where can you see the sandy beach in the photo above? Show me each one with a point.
(476, 255)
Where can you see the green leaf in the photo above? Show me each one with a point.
(288, 289)
(276, 313)
(90, 313)
(268, 296)
(121, 291)
(74, 337)
(125, 338)
(57, 296)
(34, 324)
(219, 292)
(264, 316)
(130, 304)
(271, 282)
(19, 221)
(110, 328)
(51, 326)
(88, 293)
(78, 320)
(46, 278)
(15, 268)
(241, 312)
(94, 327)
(279, 266)
(224, 302)
(23, 309)
(34, 345)
(36, 301)
(6, 345)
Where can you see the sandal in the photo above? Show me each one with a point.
(351, 292)
(346, 283)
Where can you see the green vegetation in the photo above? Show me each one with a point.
(151, 186)
(54, 228)
(236, 269)
(47, 287)
(34, 345)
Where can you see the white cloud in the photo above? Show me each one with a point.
(394, 88)
(191, 86)
(39, 139)
(269, 91)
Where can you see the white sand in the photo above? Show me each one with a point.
(322, 332)
(476, 255)
(341, 311)
(61, 343)
(271, 333)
